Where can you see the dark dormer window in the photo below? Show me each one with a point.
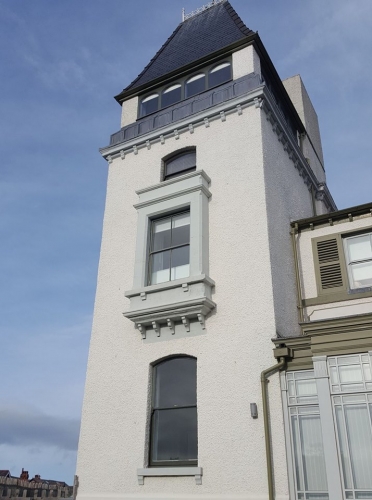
(209, 77)
(195, 85)
(219, 74)
(180, 164)
(171, 95)
(150, 104)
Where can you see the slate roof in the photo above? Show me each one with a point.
(211, 30)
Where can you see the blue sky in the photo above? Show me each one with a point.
(61, 64)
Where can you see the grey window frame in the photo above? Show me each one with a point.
(168, 463)
(152, 252)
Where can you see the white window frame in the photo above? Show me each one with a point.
(350, 262)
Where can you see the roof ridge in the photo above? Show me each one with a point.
(236, 18)
(201, 9)
(155, 56)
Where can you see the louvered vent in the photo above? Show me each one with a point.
(329, 264)
(330, 276)
(327, 251)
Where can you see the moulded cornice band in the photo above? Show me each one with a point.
(174, 180)
(170, 196)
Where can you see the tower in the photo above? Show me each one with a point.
(214, 158)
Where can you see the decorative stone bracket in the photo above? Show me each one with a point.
(179, 302)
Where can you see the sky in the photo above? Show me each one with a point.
(61, 63)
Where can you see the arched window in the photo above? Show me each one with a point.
(195, 85)
(149, 104)
(174, 434)
(219, 74)
(180, 163)
(171, 95)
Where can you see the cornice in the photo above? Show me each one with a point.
(261, 98)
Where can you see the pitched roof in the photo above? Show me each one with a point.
(199, 36)
(4, 472)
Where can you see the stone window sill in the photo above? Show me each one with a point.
(170, 471)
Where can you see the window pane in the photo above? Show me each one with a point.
(351, 373)
(360, 247)
(160, 264)
(161, 237)
(175, 383)
(195, 85)
(171, 95)
(219, 74)
(358, 430)
(174, 434)
(180, 163)
(150, 104)
(181, 229)
(180, 262)
(362, 274)
(312, 453)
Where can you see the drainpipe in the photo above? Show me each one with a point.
(264, 381)
(300, 308)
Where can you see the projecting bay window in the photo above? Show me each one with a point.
(169, 256)
(338, 419)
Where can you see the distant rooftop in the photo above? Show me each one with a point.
(203, 32)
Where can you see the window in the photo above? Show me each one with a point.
(343, 262)
(173, 434)
(169, 257)
(358, 251)
(208, 78)
(195, 85)
(219, 74)
(150, 104)
(180, 164)
(345, 410)
(306, 434)
(171, 95)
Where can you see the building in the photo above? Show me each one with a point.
(24, 487)
(202, 273)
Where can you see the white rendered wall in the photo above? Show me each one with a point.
(245, 61)
(230, 356)
(129, 111)
(288, 198)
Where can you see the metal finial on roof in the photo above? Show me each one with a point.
(200, 9)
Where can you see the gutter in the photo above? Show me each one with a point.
(264, 381)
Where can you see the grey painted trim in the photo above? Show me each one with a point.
(175, 180)
(194, 189)
(181, 126)
(171, 284)
(187, 107)
(328, 430)
(287, 436)
(170, 471)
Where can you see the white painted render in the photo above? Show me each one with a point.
(245, 61)
(249, 255)
(129, 111)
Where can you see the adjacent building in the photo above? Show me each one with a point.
(203, 272)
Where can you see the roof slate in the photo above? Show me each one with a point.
(211, 30)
